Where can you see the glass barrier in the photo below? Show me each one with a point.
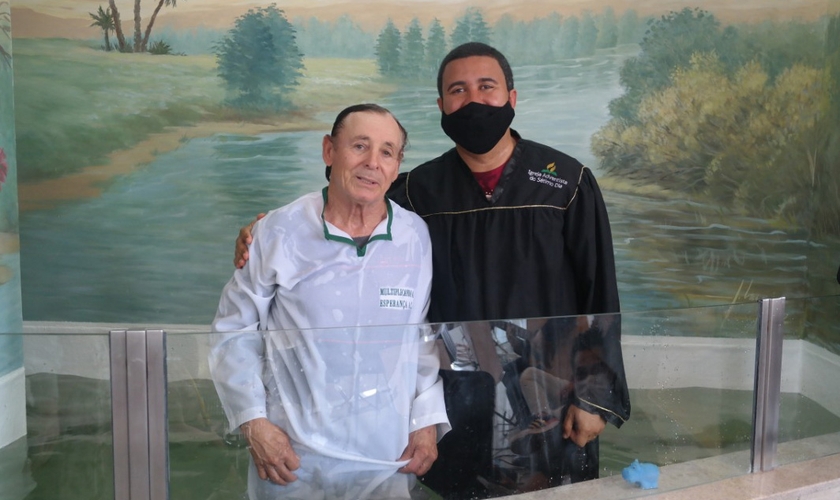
(691, 376)
(810, 401)
(508, 386)
(60, 400)
(347, 398)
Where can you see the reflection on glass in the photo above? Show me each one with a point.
(343, 409)
(691, 377)
(68, 452)
(689, 371)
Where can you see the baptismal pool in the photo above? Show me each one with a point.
(67, 453)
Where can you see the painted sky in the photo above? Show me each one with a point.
(374, 13)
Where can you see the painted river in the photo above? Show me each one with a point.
(157, 246)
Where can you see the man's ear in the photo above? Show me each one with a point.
(512, 97)
(440, 104)
(327, 149)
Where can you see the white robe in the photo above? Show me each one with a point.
(308, 352)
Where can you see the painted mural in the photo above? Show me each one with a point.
(11, 346)
(146, 140)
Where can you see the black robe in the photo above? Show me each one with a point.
(540, 247)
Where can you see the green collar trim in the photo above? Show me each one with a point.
(360, 250)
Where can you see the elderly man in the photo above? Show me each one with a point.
(335, 411)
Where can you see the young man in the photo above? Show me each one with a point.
(519, 230)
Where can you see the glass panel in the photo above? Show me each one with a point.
(689, 371)
(809, 420)
(63, 381)
(691, 376)
(204, 460)
(346, 398)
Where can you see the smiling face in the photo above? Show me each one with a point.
(474, 79)
(365, 156)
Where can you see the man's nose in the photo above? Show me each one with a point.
(372, 159)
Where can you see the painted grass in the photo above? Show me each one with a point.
(75, 104)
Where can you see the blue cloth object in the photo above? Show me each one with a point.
(643, 474)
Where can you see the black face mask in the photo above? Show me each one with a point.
(477, 127)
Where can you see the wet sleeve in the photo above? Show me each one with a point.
(236, 368)
(236, 360)
(428, 407)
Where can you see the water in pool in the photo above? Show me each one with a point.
(67, 453)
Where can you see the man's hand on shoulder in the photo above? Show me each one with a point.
(243, 241)
(272, 451)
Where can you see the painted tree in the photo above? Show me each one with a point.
(479, 29)
(461, 31)
(145, 42)
(588, 35)
(608, 29)
(141, 37)
(668, 142)
(825, 202)
(435, 49)
(138, 19)
(540, 40)
(103, 20)
(505, 40)
(259, 60)
(740, 140)
(350, 39)
(780, 45)
(388, 50)
(669, 44)
(340, 38)
(629, 27)
(313, 36)
(115, 12)
(471, 27)
(412, 51)
(832, 61)
(569, 36)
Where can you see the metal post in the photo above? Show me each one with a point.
(767, 391)
(138, 415)
(119, 415)
(138, 409)
(158, 415)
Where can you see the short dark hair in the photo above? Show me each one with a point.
(471, 49)
(363, 108)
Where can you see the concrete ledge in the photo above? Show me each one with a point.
(815, 476)
(817, 479)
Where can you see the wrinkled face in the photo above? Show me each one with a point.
(365, 157)
(474, 79)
